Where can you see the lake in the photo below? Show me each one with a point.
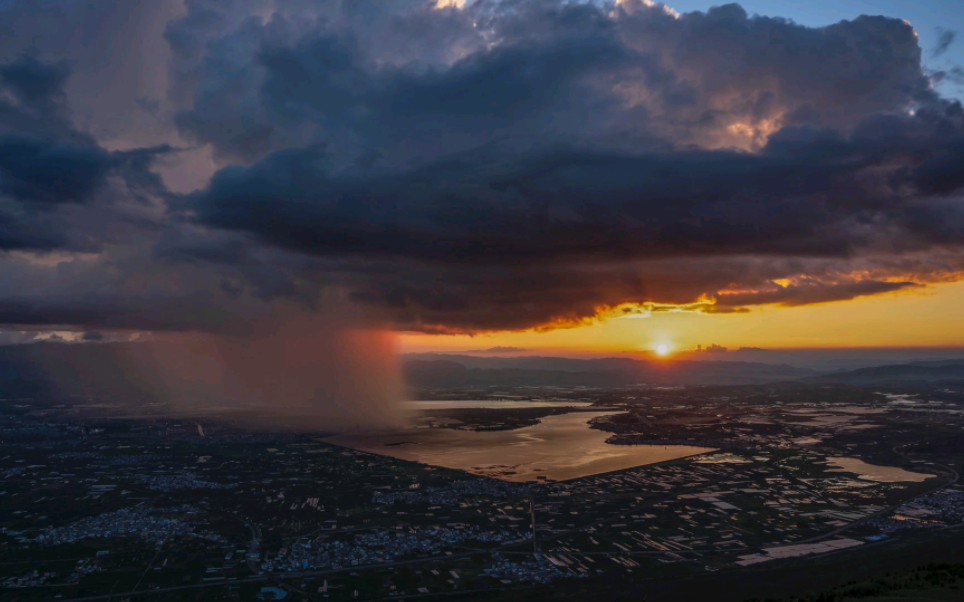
(873, 472)
(559, 448)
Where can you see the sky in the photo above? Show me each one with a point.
(573, 176)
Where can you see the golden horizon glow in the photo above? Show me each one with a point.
(922, 317)
(662, 350)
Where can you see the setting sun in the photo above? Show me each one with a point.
(662, 350)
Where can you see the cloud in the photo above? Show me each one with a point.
(33, 82)
(800, 195)
(945, 37)
(807, 292)
(483, 166)
(500, 349)
(60, 188)
(49, 171)
(44, 162)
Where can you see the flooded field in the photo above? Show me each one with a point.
(559, 448)
(878, 474)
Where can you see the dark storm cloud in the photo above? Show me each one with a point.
(41, 170)
(509, 164)
(43, 162)
(34, 82)
(574, 137)
(47, 164)
(805, 193)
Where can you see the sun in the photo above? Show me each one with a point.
(662, 350)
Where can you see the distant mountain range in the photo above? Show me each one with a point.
(454, 371)
(451, 371)
(107, 370)
(937, 371)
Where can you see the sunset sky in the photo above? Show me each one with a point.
(552, 176)
(926, 317)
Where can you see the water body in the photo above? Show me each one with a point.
(559, 448)
(489, 404)
(873, 472)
